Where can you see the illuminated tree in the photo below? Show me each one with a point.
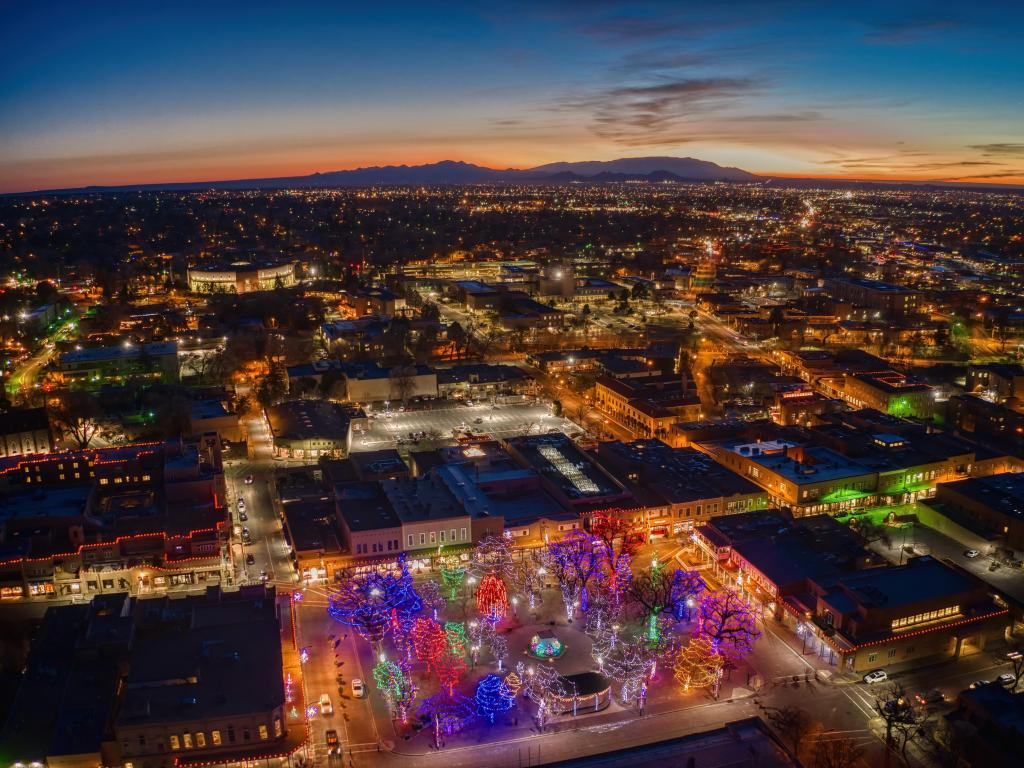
(493, 697)
(617, 534)
(493, 554)
(698, 665)
(620, 577)
(544, 686)
(576, 559)
(429, 640)
(514, 683)
(395, 687)
(652, 590)
(631, 664)
(455, 631)
(452, 574)
(687, 587)
(432, 596)
(499, 648)
(370, 602)
(526, 577)
(449, 670)
(728, 620)
(492, 598)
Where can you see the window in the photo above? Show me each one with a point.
(463, 534)
(200, 739)
(410, 539)
(433, 537)
(872, 658)
(277, 726)
(215, 738)
(453, 535)
(423, 539)
(187, 740)
(231, 734)
(892, 653)
(264, 732)
(441, 535)
(104, 481)
(142, 740)
(175, 744)
(246, 735)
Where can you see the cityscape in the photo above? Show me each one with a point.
(678, 423)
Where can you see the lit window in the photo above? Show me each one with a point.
(187, 740)
(277, 726)
(200, 739)
(215, 737)
(175, 744)
(264, 733)
(104, 481)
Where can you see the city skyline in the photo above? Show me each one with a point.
(118, 95)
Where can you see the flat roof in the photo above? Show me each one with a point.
(309, 419)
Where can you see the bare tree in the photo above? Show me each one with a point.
(403, 382)
(837, 753)
(77, 416)
(793, 724)
(898, 713)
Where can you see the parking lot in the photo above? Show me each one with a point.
(389, 431)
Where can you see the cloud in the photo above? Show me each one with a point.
(999, 149)
(1011, 174)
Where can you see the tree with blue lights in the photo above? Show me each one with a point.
(493, 697)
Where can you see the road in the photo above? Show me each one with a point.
(25, 376)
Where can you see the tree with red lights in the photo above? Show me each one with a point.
(449, 669)
(429, 640)
(492, 597)
(617, 534)
(728, 620)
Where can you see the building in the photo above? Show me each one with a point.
(987, 726)
(649, 406)
(676, 488)
(213, 416)
(93, 367)
(517, 310)
(887, 300)
(25, 432)
(369, 383)
(142, 519)
(997, 382)
(242, 276)
(376, 301)
(913, 614)
(481, 381)
(986, 419)
(995, 504)
(308, 429)
(889, 392)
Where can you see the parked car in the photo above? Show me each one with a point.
(263, 575)
(250, 559)
(1007, 680)
(326, 708)
(249, 479)
(932, 697)
(971, 553)
(333, 745)
(979, 683)
(876, 676)
(243, 517)
(358, 689)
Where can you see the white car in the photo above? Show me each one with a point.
(358, 689)
(1006, 679)
(971, 553)
(326, 708)
(876, 676)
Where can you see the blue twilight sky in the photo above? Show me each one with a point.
(106, 92)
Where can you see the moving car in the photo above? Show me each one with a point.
(358, 689)
(971, 553)
(326, 708)
(243, 517)
(250, 559)
(249, 479)
(932, 697)
(333, 745)
(246, 535)
(876, 676)
(263, 575)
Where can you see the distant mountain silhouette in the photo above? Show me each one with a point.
(457, 172)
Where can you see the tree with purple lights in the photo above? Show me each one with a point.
(493, 697)
(432, 596)
(728, 620)
(687, 587)
(370, 602)
(576, 559)
(493, 554)
(620, 576)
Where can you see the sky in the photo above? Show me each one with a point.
(120, 93)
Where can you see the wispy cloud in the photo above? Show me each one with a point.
(999, 149)
(909, 29)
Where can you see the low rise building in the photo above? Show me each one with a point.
(241, 276)
(888, 392)
(997, 381)
(477, 381)
(994, 503)
(649, 406)
(308, 429)
(214, 416)
(25, 432)
(369, 383)
(94, 367)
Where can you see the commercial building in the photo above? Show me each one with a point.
(998, 382)
(478, 381)
(888, 300)
(995, 504)
(988, 725)
(213, 416)
(241, 276)
(308, 429)
(676, 488)
(93, 367)
(25, 432)
(648, 406)
(888, 392)
(368, 383)
(141, 519)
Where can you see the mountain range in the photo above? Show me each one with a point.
(455, 172)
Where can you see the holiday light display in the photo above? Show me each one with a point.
(449, 712)
(429, 640)
(492, 598)
(453, 572)
(728, 621)
(544, 645)
(576, 559)
(698, 665)
(493, 697)
(369, 602)
(449, 670)
(687, 587)
(629, 663)
(513, 682)
(431, 594)
(456, 634)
